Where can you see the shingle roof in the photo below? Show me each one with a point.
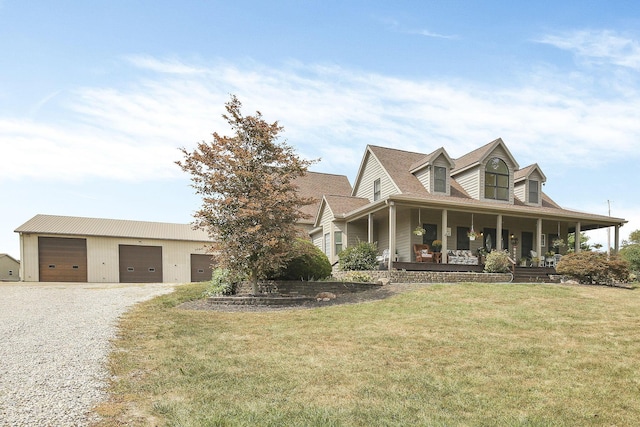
(526, 171)
(340, 205)
(316, 185)
(479, 154)
(80, 226)
(398, 163)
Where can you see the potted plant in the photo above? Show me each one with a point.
(523, 261)
(535, 261)
(419, 231)
(482, 253)
(436, 245)
(472, 235)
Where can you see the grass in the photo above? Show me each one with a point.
(473, 354)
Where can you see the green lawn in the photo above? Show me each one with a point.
(472, 354)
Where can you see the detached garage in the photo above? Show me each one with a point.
(74, 249)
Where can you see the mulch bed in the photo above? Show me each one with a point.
(346, 298)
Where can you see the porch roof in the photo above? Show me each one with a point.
(549, 209)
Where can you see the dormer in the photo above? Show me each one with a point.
(487, 173)
(528, 185)
(434, 172)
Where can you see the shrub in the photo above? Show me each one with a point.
(308, 263)
(632, 254)
(357, 276)
(359, 257)
(222, 283)
(497, 262)
(594, 268)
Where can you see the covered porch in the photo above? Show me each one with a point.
(528, 233)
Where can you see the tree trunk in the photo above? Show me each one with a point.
(253, 279)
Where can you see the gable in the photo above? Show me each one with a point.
(371, 169)
(315, 185)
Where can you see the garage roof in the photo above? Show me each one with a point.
(79, 226)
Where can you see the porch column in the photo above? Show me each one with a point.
(370, 228)
(616, 244)
(539, 238)
(445, 217)
(499, 233)
(392, 234)
(576, 245)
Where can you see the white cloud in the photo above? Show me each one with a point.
(602, 46)
(133, 132)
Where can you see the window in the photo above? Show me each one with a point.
(440, 179)
(376, 189)
(533, 191)
(10, 272)
(327, 245)
(337, 241)
(496, 180)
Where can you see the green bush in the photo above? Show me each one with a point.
(221, 283)
(357, 277)
(497, 262)
(594, 268)
(308, 263)
(631, 253)
(359, 257)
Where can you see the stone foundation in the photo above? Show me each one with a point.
(401, 276)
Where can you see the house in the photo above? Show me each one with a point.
(75, 249)
(9, 268)
(483, 199)
(315, 185)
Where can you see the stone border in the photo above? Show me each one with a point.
(266, 300)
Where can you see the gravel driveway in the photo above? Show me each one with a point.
(54, 341)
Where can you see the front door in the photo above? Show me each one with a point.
(527, 244)
(462, 240)
(490, 242)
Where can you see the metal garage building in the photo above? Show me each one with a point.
(74, 249)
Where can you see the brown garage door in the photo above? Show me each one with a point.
(201, 269)
(140, 264)
(62, 259)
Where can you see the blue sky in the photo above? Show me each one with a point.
(97, 97)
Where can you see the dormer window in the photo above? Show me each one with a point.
(440, 179)
(496, 180)
(376, 189)
(534, 191)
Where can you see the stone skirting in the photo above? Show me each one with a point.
(401, 276)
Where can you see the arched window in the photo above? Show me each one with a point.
(496, 180)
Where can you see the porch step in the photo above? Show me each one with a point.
(533, 275)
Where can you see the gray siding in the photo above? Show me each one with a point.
(372, 170)
(470, 180)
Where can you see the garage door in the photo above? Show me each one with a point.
(140, 264)
(62, 259)
(201, 270)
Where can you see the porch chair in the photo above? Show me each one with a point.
(423, 253)
(384, 258)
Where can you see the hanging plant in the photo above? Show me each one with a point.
(558, 243)
(419, 231)
(471, 234)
